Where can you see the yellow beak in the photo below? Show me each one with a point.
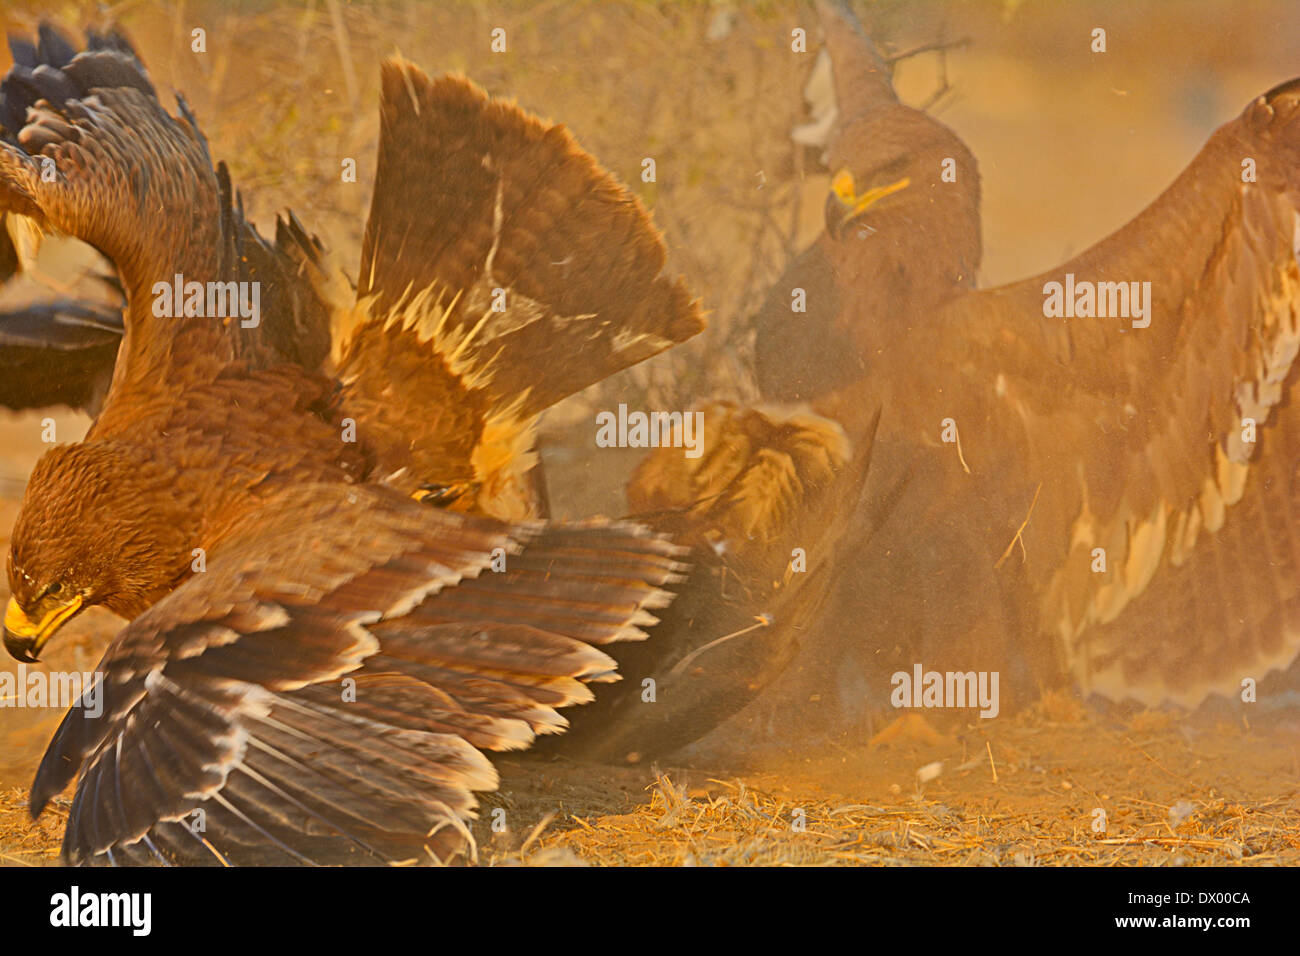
(25, 638)
(845, 191)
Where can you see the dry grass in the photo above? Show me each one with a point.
(1020, 792)
(286, 91)
(24, 842)
(729, 824)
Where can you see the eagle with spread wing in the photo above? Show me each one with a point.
(1110, 497)
(322, 527)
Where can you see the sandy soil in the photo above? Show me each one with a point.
(1057, 785)
(1069, 148)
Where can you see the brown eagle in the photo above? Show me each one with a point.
(761, 512)
(315, 660)
(1092, 493)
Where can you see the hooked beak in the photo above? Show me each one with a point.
(845, 204)
(25, 638)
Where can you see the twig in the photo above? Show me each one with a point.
(1023, 525)
(537, 831)
(934, 45)
(763, 621)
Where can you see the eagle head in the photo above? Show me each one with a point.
(97, 527)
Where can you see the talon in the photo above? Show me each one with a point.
(440, 496)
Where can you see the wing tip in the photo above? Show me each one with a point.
(1289, 87)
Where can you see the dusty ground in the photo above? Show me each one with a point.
(1058, 785)
(1033, 790)
(1070, 147)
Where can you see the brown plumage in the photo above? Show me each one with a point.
(1074, 434)
(548, 237)
(916, 248)
(60, 351)
(761, 510)
(263, 555)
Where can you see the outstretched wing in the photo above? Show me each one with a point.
(1172, 447)
(502, 270)
(323, 692)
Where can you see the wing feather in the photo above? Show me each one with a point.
(1160, 444)
(225, 710)
(502, 270)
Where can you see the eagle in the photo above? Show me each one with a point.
(1100, 496)
(321, 522)
(759, 512)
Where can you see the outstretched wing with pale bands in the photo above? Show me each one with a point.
(1168, 440)
(502, 270)
(86, 149)
(1148, 473)
(323, 692)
